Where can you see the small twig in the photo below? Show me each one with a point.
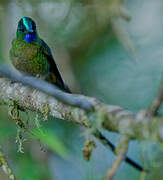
(123, 12)
(46, 87)
(157, 101)
(4, 165)
(111, 146)
(120, 157)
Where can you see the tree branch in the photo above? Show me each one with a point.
(4, 165)
(111, 146)
(123, 143)
(113, 118)
(157, 101)
(77, 108)
(46, 87)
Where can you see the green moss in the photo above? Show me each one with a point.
(45, 111)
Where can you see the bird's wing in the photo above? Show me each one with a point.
(55, 75)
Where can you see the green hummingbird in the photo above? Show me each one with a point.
(31, 55)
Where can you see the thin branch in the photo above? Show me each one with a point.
(111, 146)
(123, 12)
(124, 140)
(157, 101)
(5, 167)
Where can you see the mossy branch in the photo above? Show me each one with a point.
(40, 96)
(4, 165)
(113, 118)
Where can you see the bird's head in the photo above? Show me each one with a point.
(27, 29)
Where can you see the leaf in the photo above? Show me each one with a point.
(51, 140)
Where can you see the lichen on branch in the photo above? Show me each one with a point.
(114, 118)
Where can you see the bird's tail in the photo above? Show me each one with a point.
(52, 78)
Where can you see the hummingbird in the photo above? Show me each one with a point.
(31, 55)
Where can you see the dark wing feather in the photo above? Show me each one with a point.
(54, 72)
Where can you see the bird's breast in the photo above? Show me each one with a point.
(28, 58)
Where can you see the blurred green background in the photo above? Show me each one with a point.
(101, 54)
